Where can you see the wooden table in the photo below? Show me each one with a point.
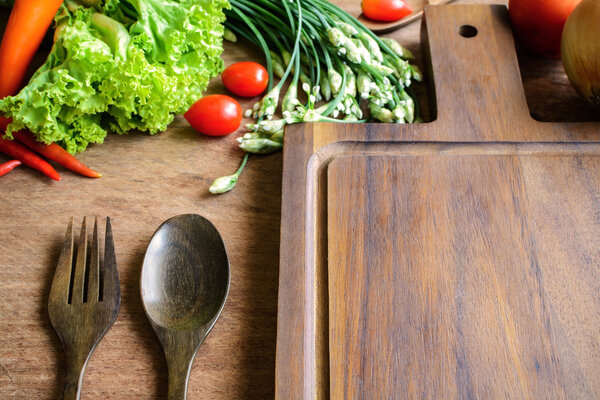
(147, 180)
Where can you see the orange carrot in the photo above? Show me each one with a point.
(28, 23)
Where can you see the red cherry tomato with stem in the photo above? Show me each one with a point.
(246, 79)
(215, 115)
(385, 10)
(538, 24)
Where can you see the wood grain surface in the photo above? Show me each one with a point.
(449, 292)
(432, 260)
(147, 180)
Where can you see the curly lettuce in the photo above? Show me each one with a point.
(117, 66)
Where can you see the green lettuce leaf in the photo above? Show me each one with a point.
(119, 66)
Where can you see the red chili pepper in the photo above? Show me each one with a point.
(8, 166)
(55, 153)
(16, 150)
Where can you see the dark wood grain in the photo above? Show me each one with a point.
(184, 285)
(84, 300)
(145, 181)
(431, 260)
(442, 296)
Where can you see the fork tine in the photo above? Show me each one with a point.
(110, 291)
(94, 267)
(79, 276)
(62, 275)
(81, 326)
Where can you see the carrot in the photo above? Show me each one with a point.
(28, 23)
(55, 153)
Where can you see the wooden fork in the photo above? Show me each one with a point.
(84, 300)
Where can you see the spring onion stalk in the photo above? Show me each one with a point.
(226, 183)
(315, 46)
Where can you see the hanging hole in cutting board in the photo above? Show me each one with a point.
(467, 31)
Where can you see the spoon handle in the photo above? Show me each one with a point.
(179, 367)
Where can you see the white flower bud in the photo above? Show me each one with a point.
(306, 87)
(336, 37)
(348, 29)
(223, 184)
(353, 53)
(371, 45)
(400, 51)
(335, 79)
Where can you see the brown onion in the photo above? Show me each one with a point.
(580, 47)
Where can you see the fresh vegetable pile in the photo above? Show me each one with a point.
(119, 65)
(122, 65)
(332, 57)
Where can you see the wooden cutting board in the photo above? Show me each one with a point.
(452, 259)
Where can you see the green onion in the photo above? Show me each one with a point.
(333, 57)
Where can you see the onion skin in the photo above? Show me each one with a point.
(580, 48)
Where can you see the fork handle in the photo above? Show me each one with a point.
(73, 380)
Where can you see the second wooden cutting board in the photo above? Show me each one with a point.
(453, 259)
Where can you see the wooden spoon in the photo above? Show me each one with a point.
(184, 285)
(416, 5)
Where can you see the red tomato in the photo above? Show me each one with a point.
(538, 24)
(385, 10)
(215, 115)
(246, 79)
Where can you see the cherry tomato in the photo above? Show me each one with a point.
(385, 10)
(246, 79)
(215, 115)
(538, 24)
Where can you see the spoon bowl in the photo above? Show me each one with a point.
(184, 285)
